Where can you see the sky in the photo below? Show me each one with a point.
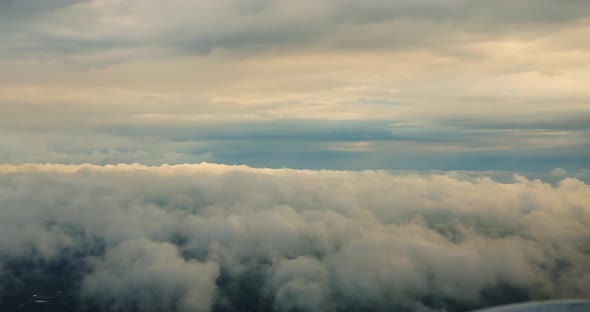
(293, 156)
(329, 84)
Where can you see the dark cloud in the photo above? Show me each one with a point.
(518, 12)
(560, 121)
(274, 25)
(526, 143)
(291, 130)
(31, 8)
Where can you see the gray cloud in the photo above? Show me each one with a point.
(560, 121)
(142, 275)
(247, 78)
(222, 236)
(519, 142)
(74, 27)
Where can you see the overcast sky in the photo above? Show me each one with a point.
(340, 84)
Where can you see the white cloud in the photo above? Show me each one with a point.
(309, 240)
(150, 276)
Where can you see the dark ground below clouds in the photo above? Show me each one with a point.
(31, 286)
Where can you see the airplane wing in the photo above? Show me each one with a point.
(544, 306)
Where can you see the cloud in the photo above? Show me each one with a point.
(300, 284)
(519, 143)
(192, 27)
(561, 122)
(143, 275)
(214, 237)
(312, 77)
(482, 85)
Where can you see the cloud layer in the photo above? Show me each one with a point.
(451, 84)
(215, 237)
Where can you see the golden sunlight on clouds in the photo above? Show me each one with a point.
(112, 65)
(511, 70)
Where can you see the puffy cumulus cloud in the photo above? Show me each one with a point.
(150, 276)
(215, 237)
(300, 284)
